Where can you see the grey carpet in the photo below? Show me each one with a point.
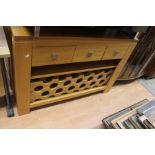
(149, 85)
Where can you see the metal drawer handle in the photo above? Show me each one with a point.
(54, 56)
(90, 54)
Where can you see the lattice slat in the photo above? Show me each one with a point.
(49, 87)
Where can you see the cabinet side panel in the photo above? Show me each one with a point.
(120, 66)
(22, 72)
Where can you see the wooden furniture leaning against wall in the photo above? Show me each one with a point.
(53, 68)
(141, 61)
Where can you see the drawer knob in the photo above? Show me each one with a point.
(89, 54)
(116, 53)
(54, 56)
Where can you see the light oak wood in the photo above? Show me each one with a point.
(66, 41)
(56, 70)
(52, 55)
(120, 67)
(28, 77)
(65, 97)
(21, 33)
(85, 53)
(115, 51)
(22, 52)
(53, 86)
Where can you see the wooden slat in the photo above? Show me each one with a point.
(66, 97)
(67, 41)
(39, 72)
(50, 87)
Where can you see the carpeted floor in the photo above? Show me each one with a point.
(149, 85)
(85, 112)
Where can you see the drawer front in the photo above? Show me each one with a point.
(88, 53)
(115, 52)
(52, 55)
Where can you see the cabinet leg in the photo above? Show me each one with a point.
(9, 106)
(22, 75)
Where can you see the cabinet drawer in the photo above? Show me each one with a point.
(115, 52)
(88, 53)
(52, 55)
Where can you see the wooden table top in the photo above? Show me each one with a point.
(4, 50)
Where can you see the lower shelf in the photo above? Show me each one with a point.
(53, 88)
(65, 97)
